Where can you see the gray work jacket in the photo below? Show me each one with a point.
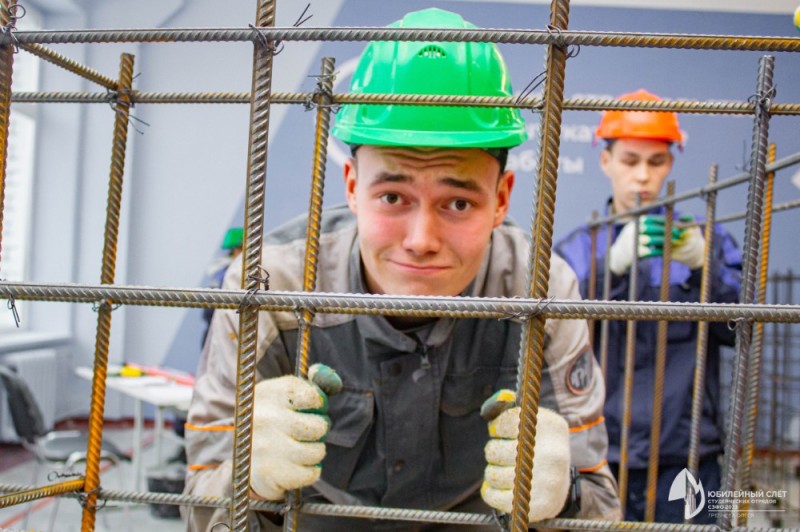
(406, 429)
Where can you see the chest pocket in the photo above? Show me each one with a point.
(464, 393)
(352, 413)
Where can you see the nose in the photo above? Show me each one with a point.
(422, 233)
(642, 172)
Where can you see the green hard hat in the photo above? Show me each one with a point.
(233, 238)
(448, 68)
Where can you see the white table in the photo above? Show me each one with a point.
(158, 391)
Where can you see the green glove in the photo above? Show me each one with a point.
(689, 246)
(651, 242)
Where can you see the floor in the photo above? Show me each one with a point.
(17, 467)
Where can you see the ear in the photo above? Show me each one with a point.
(350, 183)
(605, 161)
(504, 187)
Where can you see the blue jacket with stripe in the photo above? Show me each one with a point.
(681, 347)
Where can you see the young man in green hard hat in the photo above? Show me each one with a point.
(427, 196)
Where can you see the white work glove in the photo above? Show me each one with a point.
(551, 478)
(689, 247)
(289, 427)
(651, 242)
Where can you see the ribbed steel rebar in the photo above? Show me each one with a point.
(778, 207)
(313, 225)
(660, 366)
(6, 66)
(529, 102)
(628, 374)
(701, 351)
(702, 191)
(407, 306)
(752, 234)
(70, 65)
(592, 290)
(604, 325)
(103, 338)
(544, 199)
(34, 494)
(261, 88)
(754, 385)
(510, 36)
(773, 403)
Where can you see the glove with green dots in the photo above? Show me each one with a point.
(289, 429)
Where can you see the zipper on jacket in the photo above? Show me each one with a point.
(424, 363)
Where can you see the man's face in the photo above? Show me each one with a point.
(425, 215)
(636, 166)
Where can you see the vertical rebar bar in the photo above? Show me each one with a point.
(752, 234)
(592, 289)
(605, 324)
(313, 225)
(773, 408)
(113, 207)
(754, 382)
(630, 362)
(261, 88)
(532, 347)
(6, 66)
(660, 366)
(701, 352)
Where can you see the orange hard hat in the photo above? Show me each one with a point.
(654, 125)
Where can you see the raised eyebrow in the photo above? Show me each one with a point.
(464, 184)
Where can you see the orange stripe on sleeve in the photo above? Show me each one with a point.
(588, 425)
(201, 467)
(593, 468)
(211, 428)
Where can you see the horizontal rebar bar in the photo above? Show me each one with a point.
(35, 493)
(509, 36)
(788, 205)
(780, 164)
(451, 307)
(369, 512)
(530, 102)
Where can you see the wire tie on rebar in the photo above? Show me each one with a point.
(322, 96)
(293, 504)
(83, 499)
(276, 47)
(253, 291)
(113, 101)
(104, 304)
(301, 317)
(501, 520)
(532, 85)
(735, 323)
(11, 27)
(762, 100)
(12, 306)
(55, 475)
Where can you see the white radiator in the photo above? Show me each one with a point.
(39, 369)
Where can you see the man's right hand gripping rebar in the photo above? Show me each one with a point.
(289, 429)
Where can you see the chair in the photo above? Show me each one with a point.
(66, 447)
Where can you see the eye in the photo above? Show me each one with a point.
(459, 205)
(390, 198)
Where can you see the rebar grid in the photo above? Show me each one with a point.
(778, 207)
(701, 351)
(6, 67)
(506, 36)
(752, 232)
(704, 190)
(405, 306)
(103, 338)
(754, 384)
(531, 357)
(660, 365)
(630, 356)
(263, 54)
(529, 102)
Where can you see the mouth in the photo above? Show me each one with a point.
(419, 269)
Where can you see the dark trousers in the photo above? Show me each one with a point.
(667, 511)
